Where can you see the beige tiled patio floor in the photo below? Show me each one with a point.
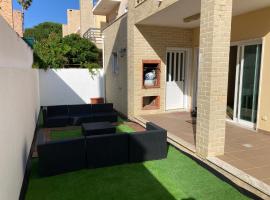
(245, 149)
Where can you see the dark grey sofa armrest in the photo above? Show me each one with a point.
(152, 126)
(147, 145)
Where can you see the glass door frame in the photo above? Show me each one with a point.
(239, 80)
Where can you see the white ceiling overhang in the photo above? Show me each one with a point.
(174, 15)
(104, 7)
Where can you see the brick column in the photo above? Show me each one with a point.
(87, 16)
(215, 29)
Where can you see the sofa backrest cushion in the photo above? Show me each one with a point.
(57, 110)
(61, 156)
(107, 107)
(79, 109)
(107, 150)
(147, 145)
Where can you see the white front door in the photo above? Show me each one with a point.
(175, 79)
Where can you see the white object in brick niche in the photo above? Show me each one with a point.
(150, 78)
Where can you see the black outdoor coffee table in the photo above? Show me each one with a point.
(97, 128)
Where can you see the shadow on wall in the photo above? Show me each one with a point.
(69, 86)
(116, 82)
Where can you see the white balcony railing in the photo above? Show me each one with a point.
(94, 35)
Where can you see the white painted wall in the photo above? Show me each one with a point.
(19, 106)
(69, 86)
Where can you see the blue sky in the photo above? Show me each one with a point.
(47, 10)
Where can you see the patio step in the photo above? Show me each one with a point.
(252, 181)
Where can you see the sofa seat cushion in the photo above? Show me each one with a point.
(56, 121)
(107, 150)
(78, 119)
(61, 156)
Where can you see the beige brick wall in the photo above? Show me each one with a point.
(215, 33)
(17, 21)
(115, 39)
(6, 11)
(151, 43)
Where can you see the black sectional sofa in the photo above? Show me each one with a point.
(75, 115)
(102, 150)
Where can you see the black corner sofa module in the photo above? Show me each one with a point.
(148, 145)
(75, 115)
(58, 157)
(55, 116)
(102, 150)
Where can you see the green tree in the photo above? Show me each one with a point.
(80, 50)
(43, 30)
(50, 53)
(70, 51)
(25, 4)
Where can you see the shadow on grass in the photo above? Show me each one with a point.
(132, 182)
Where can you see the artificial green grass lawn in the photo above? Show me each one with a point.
(177, 177)
(123, 128)
(67, 134)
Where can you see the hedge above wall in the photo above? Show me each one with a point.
(71, 51)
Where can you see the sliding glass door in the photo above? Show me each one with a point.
(247, 84)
